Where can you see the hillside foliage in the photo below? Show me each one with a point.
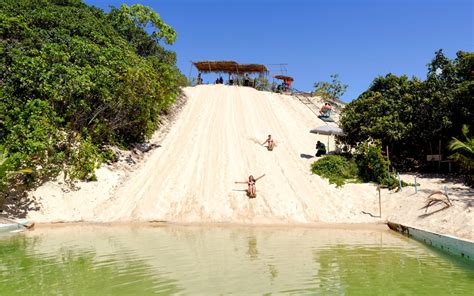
(74, 79)
(412, 116)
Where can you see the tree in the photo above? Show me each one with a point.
(330, 90)
(463, 152)
(138, 17)
(75, 79)
(412, 114)
(379, 112)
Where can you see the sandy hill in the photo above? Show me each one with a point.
(214, 142)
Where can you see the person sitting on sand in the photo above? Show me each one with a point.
(271, 143)
(321, 149)
(325, 109)
(252, 189)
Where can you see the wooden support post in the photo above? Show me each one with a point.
(380, 202)
(399, 181)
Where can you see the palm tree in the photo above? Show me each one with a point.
(463, 151)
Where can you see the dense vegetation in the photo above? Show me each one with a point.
(336, 168)
(412, 116)
(366, 164)
(74, 79)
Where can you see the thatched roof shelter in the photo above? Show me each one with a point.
(229, 67)
(284, 78)
(216, 66)
(252, 68)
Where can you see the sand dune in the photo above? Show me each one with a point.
(214, 142)
(217, 142)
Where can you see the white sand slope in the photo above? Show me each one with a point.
(214, 142)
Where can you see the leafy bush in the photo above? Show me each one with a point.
(83, 160)
(337, 169)
(367, 165)
(372, 165)
(33, 140)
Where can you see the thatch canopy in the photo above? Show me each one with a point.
(284, 78)
(252, 68)
(216, 66)
(228, 67)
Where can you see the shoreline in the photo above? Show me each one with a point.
(347, 226)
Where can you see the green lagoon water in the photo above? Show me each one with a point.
(214, 260)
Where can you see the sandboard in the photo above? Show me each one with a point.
(251, 196)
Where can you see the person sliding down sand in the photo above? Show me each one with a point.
(271, 143)
(252, 189)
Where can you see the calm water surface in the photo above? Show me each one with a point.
(210, 260)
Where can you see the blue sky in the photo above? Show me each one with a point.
(358, 40)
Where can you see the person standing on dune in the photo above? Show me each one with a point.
(252, 189)
(271, 143)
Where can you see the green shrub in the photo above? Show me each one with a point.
(83, 160)
(337, 169)
(108, 155)
(33, 140)
(372, 165)
(368, 165)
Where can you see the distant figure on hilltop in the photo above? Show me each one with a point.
(252, 189)
(246, 79)
(271, 143)
(199, 79)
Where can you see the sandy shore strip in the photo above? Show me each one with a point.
(214, 142)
